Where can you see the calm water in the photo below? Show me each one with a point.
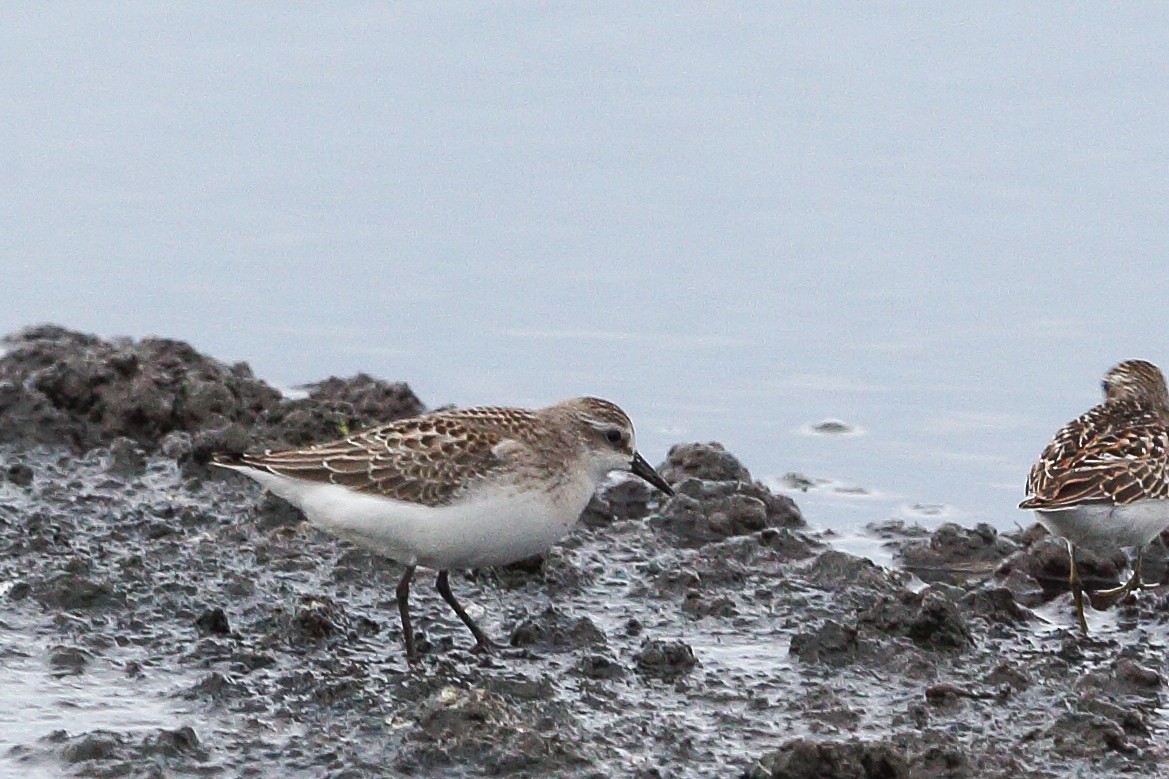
(939, 224)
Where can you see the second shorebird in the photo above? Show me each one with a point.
(463, 488)
(1103, 481)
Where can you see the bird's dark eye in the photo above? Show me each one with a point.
(615, 437)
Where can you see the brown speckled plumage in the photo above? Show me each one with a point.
(1118, 452)
(463, 488)
(434, 459)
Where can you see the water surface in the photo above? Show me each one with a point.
(937, 224)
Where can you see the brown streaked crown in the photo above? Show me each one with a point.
(603, 424)
(1136, 380)
(1117, 452)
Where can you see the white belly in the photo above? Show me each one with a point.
(501, 525)
(1106, 527)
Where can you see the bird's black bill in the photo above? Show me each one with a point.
(646, 471)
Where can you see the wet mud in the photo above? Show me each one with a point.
(159, 618)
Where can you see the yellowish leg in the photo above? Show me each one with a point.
(1077, 588)
(1138, 581)
(1102, 599)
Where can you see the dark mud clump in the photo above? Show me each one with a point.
(954, 554)
(802, 759)
(340, 406)
(717, 499)
(553, 631)
(665, 659)
(62, 387)
(172, 622)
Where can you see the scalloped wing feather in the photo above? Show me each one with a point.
(1118, 452)
(429, 460)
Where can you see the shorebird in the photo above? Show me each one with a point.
(462, 488)
(1103, 481)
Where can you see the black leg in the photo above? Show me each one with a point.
(482, 642)
(403, 592)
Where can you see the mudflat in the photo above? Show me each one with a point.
(159, 617)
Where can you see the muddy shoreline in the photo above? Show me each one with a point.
(159, 618)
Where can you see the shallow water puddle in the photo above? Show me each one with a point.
(37, 700)
(750, 655)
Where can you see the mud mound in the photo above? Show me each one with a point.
(157, 621)
(953, 554)
(62, 387)
(197, 606)
(717, 499)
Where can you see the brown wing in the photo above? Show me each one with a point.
(429, 459)
(1116, 453)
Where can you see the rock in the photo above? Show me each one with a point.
(706, 462)
(126, 457)
(1047, 562)
(835, 570)
(177, 445)
(628, 498)
(1077, 734)
(19, 474)
(1125, 677)
(554, 631)
(806, 759)
(1005, 673)
(214, 686)
(938, 625)
(716, 498)
(665, 660)
(172, 743)
(493, 731)
(833, 427)
(1135, 678)
(598, 666)
(798, 481)
(790, 544)
(1155, 561)
(319, 617)
(73, 592)
(928, 618)
(213, 621)
(897, 532)
(995, 604)
(597, 513)
(696, 605)
(824, 703)
(365, 400)
(178, 580)
(69, 659)
(337, 407)
(953, 553)
(62, 387)
(943, 762)
(703, 512)
(831, 643)
(95, 746)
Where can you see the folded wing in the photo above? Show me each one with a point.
(1109, 455)
(429, 460)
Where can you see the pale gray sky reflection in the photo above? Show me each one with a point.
(926, 221)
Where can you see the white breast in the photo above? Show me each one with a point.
(1106, 527)
(496, 525)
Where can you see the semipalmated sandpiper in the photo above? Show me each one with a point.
(463, 488)
(1103, 481)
